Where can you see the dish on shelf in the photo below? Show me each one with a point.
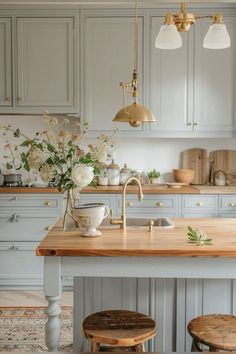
(175, 184)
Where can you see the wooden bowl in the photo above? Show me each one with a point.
(183, 175)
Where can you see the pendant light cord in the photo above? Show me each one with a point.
(136, 36)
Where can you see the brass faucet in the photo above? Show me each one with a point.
(122, 220)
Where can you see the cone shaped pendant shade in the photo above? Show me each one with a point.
(135, 114)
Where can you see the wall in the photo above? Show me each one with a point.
(138, 153)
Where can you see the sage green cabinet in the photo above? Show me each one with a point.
(45, 62)
(5, 62)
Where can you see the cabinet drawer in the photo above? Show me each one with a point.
(18, 227)
(44, 202)
(206, 203)
(227, 203)
(18, 260)
(151, 205)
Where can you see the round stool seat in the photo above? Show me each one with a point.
(119, 328)
(215, 331)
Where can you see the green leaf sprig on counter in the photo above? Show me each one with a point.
(198, 237)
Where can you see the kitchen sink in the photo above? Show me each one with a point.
(158, 223)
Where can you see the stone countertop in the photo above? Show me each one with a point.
(132, 189)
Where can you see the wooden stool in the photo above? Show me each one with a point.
(218, 332)
(120, 329)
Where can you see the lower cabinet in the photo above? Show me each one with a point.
(24, 221)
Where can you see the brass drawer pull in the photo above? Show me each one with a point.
(47, 203)
(47, 228)
(8, 99)
(232, 204)
(129, 204)
(13, 248)
(195, 124)
(159, 204)
(199, 204)
(188, 124)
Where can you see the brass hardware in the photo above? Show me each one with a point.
(232, 204)
(135, 114)
(194, 124)
(18, 99)
(129, 204)
(159, 204)
(8, 99)
(122, 220)
(188, 124)
(47, 203)
(150, 227)
(13, 248)
(47, 228)
(183, 20)
(199, 204)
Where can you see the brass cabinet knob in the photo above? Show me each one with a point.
(195, 124)
(232, 204)
(199, 204)
(18, 98)
(188, 124)
(47, 203)
(129, 204)
(47, 228)
(159, 204)
(8, 99)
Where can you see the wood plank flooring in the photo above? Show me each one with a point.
(14, 298)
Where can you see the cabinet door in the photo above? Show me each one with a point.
(108, 60)
(5, 62)
(214, 84)
(45, 62)
(171, 90)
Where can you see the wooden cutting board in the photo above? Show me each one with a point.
(224, 160)
(196, 159)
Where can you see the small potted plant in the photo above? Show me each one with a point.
(153, 176)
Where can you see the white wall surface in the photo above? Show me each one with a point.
(138, 153)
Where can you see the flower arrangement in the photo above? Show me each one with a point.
(56, 153)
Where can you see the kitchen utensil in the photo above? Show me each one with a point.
(89, 217)
(183, 175)
(196, 159)
(224, 160)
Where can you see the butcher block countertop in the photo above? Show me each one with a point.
(132, 189)
(139, 242)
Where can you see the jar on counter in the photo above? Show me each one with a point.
(125, 173)
(220, 178)
(113, 174)
(102, 178)
(140, 175)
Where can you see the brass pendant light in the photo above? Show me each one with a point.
(135, 114)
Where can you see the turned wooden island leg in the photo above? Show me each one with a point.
(53, 325)
(52, 292)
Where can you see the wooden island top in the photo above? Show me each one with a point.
(139, 242)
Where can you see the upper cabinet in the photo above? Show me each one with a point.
(38, 64)
(45, 62)
(5, 62)
(108, 60)
(214, 88)
(171, 84)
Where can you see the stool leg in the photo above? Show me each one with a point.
(95, 347)
(195, 347)
(139, 348)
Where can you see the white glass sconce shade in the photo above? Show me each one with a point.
(168, 37)
(217, 37)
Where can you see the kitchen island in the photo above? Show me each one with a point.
(133, 253)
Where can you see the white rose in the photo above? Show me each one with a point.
(82, 175)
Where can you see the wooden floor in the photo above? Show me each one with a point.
(30, 298)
